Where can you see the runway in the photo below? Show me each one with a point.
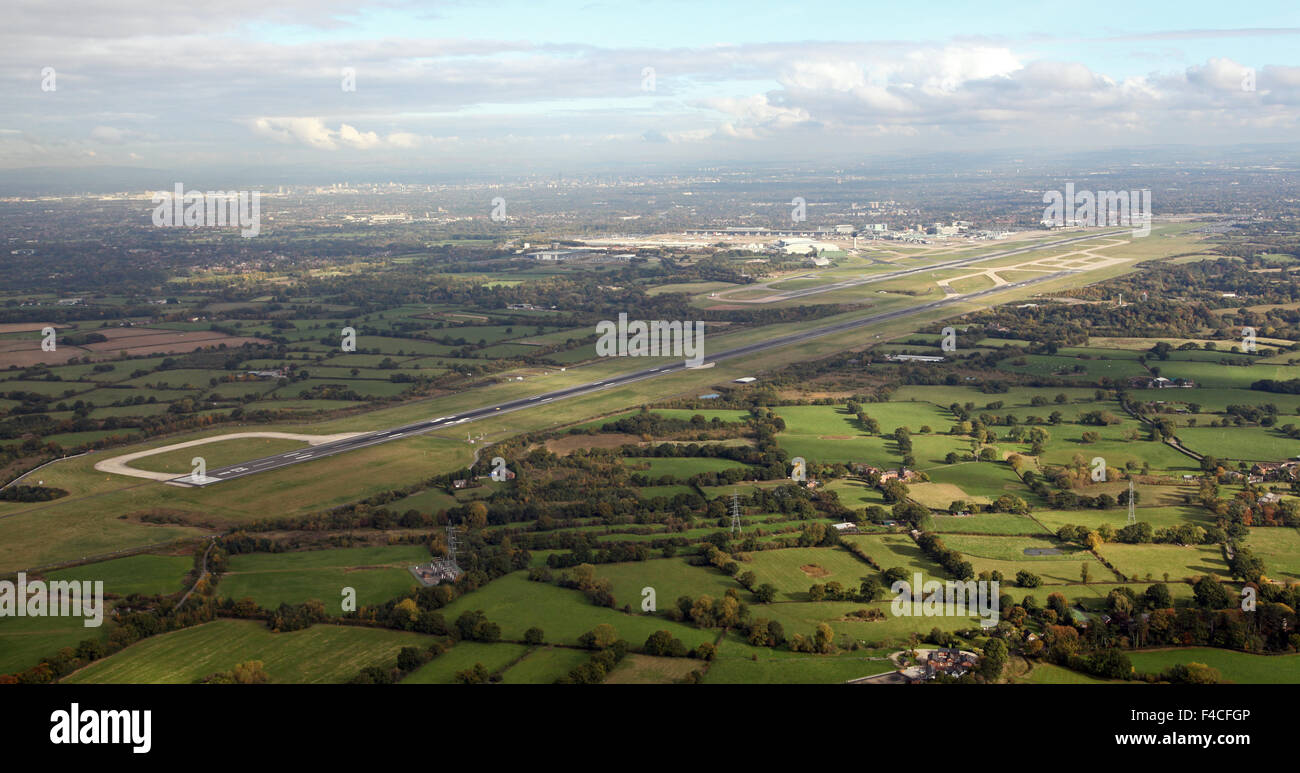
(871, 279)
(364, 440)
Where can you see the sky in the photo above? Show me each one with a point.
(518, 87)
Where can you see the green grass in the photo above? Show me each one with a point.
(1047, 673)
(25, 640)
(1179, 561)
(680, 468)
(1279, 548)
(670, 578)
(783, 569)
(376, 574)
(544, 665)
(987, 523)
(807, 669)
(149, 574)
(517, 604)
(1158, 517)
(320, 654)
(897, 550)
(462, 657)
(1238, 667)
(1248, 443)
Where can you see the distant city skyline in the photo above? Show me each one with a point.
(517, 86)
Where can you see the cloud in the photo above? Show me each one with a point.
(313, 133)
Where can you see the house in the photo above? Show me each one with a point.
(903, 474)
(952, 662)
(460, 483)
(1160, 382)
(846, 528)
(865, 470)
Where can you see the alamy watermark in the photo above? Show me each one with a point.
(57, 598)
(99, 726)
(942, 599)
(1100, 208)
(182, 208)
(658, 338)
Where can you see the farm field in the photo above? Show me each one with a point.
(517, 604)
(271, 579)
(648, 669)
(669, 577)
(1156, 560)
(147, 574)
(320, 654)
(462, 657)
(1238, 667)
(897, 550)
(25, 640)
(1279, 547)
(812, 669)
(793, 570)
(543, 665)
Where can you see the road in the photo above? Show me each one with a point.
(455, 420)
(862, 280)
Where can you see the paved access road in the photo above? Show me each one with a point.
(457, 419)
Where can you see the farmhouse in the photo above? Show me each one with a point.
(902, 473)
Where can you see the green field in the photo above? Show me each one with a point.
(270, 579)
(1178, 561)
(1238, 667)
(462, 657)
(543, 665)
(517, 604)
(320, 654)
(149, 574)
(793, 570)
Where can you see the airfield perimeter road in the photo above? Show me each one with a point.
(443, 422)
(956, 263)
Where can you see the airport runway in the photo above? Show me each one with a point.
(446, 422)
(871, 279)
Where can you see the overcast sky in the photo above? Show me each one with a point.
(517, 85)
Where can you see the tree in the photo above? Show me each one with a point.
(410, 658)
(824, 638)
(534, 635)
(1158, 597)
(599, 638)
(1111, 663)
(1083, 572)
(1027, 579)
(476, 675)
(994, 660)
(1210, 594)
(765, 593)
(659, 643)
(477, 515)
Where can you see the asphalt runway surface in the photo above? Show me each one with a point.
(365, 440)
